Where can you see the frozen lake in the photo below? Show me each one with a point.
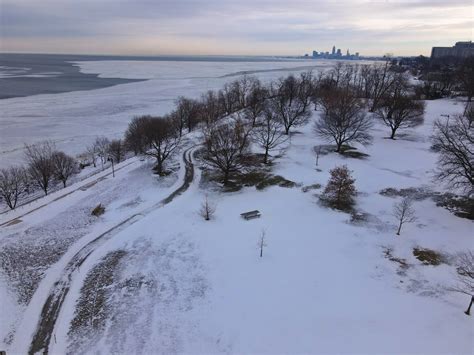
(74, 119)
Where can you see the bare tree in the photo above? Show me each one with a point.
(228, 97)
(91, 153)
(154, 136)
(343, 119)
(262, 242)
(256, 101)
(64, 166)
(162, 138)
(469, 112)
(135, 135)
(102, 148)
(210, 109)
(185, 113)
(207, 209)
(12, 185)
(317, 152)
(465, 273)
(116, 150)
(246, 86)
(225, 145)
(465, 75)
(454, 140)
(291, 100)
(268, 132)
(465, 277)
(404, 212)
(40, 163)
(340, 189)
(400, 111)
(380, 80)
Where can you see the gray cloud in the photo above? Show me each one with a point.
(289, 27)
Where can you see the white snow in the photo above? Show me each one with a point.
(323, 284)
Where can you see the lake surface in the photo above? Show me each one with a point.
(81, 100)
(32, 74)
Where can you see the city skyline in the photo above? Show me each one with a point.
(259, 27)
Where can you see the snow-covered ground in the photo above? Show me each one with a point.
(171, 282)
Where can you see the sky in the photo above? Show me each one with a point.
(233, 27)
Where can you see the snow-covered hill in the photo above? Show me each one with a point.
(172, 282)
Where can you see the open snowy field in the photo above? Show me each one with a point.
(163, 280)
(74, 119)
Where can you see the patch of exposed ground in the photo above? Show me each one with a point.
(25, 256)
(259, 176)
(346, 151)
(147, 292)
(415, 193)
(403, 266)
(461, 206)
(93, 306)
(429, 257)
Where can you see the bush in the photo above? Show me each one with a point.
(340, 190)
(428, 256)
(98, 210)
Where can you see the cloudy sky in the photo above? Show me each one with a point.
(242, 27)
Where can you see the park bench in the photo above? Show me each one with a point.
(250, 214)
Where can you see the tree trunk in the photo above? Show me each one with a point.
(265, 158)
(468, 310)
(392, 136)
(338, 147)
(64, 183)
(226, 177)
(159, 166)
(399, 228)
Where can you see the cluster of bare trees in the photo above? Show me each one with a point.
(259, 114)
(244, 111)
(45, 166)
(346, 92)
(454, 140)
(247, 111)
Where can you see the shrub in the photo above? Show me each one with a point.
(340, 190)
(98, 210)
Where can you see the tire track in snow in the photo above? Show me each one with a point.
(52, 307)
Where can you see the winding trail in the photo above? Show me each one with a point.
(51, 308)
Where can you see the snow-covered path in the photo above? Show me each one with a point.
(59, 290)
(39, 202)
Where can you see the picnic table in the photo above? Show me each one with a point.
(250, 214)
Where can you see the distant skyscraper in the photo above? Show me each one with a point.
(338, 53)
(333, 50)
(347, 53)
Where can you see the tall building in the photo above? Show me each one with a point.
(338, 53)
(333, 50)
(347, 53)
(459, 50)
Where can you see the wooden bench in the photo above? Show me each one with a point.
(250, 214)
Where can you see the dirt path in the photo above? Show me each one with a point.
(51, 308)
